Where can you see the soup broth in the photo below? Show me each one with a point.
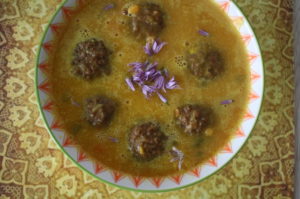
(183, 19)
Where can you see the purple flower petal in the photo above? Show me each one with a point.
(203, 33)
(154, 46)
(148, 49)
(147, 90)
(130, 84)
(136, 66)
(158, 48)
(149, 74)
(225, 102)
(172, 84)
(136, 79)
(177, 155)
(162, 98)
(150, 79)
(109, 6)
(159, 82)
(74, 103)
(113, 139)
(151, 66)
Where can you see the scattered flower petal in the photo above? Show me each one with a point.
(137, 66)
(148, 49)
(155, 49)
(203, 33)
(162, 98)
(151, 66)
(158, 47)
(113, 139)
(109, 6)
(154, 46)
(225, 102)
(130, 84)
(177, 155)
(172, 84)
(74, 103)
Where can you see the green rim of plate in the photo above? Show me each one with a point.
(110, 183)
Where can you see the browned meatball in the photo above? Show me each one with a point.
(206, 63)
(90, 59)
(147, 141)
(146, 20)
(99, 110)
(193, 119)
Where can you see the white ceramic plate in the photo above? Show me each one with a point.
(135, 182)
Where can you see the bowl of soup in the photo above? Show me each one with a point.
(149, 95)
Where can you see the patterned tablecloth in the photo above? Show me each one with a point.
(31, 166)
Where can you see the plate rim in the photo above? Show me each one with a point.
(40, 107)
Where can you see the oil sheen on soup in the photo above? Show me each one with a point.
(178, 103)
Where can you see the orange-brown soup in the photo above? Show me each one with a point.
(183, 19)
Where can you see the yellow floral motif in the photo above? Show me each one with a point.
(241, 167)
(2, 42)
(16, 58)
(87, 178)
(23, 31)
(30, 142)
(175, 197)
(274, 67)
(4, 197)
(52, 144)
(46, 165)
(39, 121)
(199, 192)
(5, 137)
(36, 192)
(284, 143)
(91, 194)
(274, 94)
(13, 171)
(111, 189)
(31, 73)
(33, 99)
(268, 42)
(247, 192)
(68, 163)
(14, 87)
(221, 185)
(67, 185)
(19, 115)
(36, 8)
(271, 172)
(8, 10)
(258, 145)
(269, 120)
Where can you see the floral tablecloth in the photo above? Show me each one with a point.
(32, 166)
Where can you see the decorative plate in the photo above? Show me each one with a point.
(138, 183)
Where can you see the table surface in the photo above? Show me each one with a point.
(31, 165)
(297, 92)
